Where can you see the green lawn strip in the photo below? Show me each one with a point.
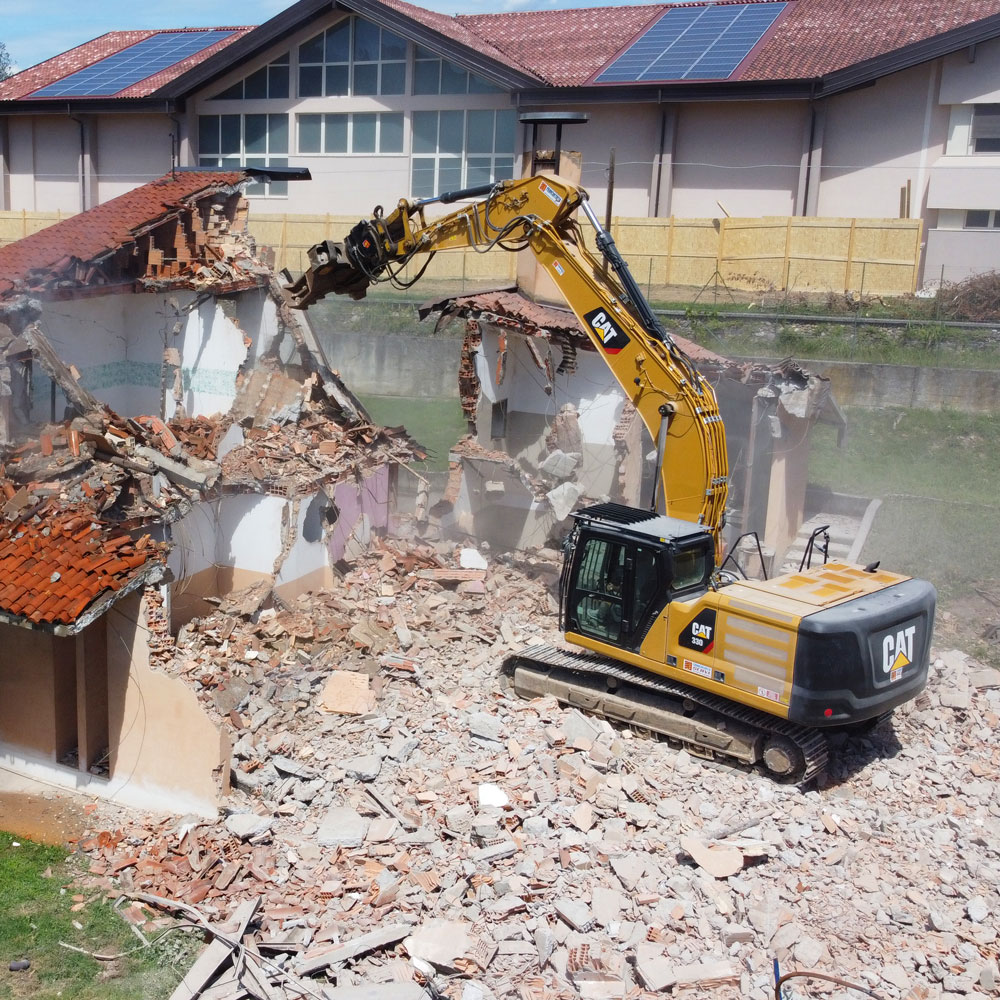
(36, 896)
(435, 423)
(938, 476)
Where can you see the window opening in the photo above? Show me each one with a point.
(454, 149)
(269, 82)
(351, 133)
(354, 58)
(235, 141)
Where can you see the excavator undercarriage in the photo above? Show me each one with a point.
(706, 725)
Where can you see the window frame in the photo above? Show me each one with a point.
(272, 75)
(985, 130)
(992, 219)
(326, 121)
(351, 63)
(235, 156)
(424, 59)
(499, 163)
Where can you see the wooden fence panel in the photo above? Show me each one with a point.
(869, 256)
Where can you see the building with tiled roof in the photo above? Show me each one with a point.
(169, 434)
(881, 109)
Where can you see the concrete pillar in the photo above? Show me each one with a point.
(662, 187)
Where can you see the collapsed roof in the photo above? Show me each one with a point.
(80, 497)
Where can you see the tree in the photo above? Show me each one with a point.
(5, 65)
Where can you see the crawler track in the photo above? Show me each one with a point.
(708, 725)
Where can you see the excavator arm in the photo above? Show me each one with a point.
(676, 403)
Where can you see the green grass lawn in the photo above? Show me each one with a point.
(36, 896)
(436, 423)
(938, 475)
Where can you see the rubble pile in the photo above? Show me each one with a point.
(399, 817)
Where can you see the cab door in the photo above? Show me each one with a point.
(616, 590)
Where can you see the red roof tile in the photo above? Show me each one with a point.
(35, 556)
(92, 233)
(811, 39)
(564, 47)
(25, 83)
(458, 30)
(819, 36)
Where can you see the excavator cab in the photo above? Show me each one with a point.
(623, 566)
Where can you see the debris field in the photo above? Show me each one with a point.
(399, 824)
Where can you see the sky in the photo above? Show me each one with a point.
(35, 30)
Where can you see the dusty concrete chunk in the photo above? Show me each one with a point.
(365, 768)
(377, 991)
(719, 861)
(342, 827)
(575, 913)
(347, 693)
(629, 870)
(656, 972)
(248, 825)
(441, 942)
(484, 726)
(362, 945)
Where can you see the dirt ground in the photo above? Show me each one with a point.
(42, 813)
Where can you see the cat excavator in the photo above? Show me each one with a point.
(666, 635)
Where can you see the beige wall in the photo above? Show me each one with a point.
(744, 155)
(876, 139)
(131, 150)
(634, 133)
(28, 690)
(160, 737)
(45, 163)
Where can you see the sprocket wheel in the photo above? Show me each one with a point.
(782, 757)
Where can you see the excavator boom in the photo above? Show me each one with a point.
(676, 403)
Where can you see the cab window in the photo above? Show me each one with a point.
(598, 599)
(690, 568)
(647, 584)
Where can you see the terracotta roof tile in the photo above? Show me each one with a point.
(564, 47)
(107, 226)
(459, 30)
(34, 556)
(25, 83)
(816, 37)
(811, 39)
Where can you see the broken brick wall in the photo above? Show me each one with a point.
(534, 397)
(235, 541)
(165, 751)
(528, 410)
(117, 342)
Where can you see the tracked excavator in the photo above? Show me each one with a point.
(666, 636)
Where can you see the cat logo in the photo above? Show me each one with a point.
(897, 650)
(699, 633)
(613, 339)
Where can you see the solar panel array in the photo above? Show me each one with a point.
(114, 73)
(694, 43)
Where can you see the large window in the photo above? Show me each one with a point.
(270, 81)
(986, 128)
(355, 133)
(454, 149)
(434, 75)
(977, 218)
(245, 140)
(353, 58)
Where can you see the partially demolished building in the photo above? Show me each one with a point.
(169, 434)
(550, 427)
